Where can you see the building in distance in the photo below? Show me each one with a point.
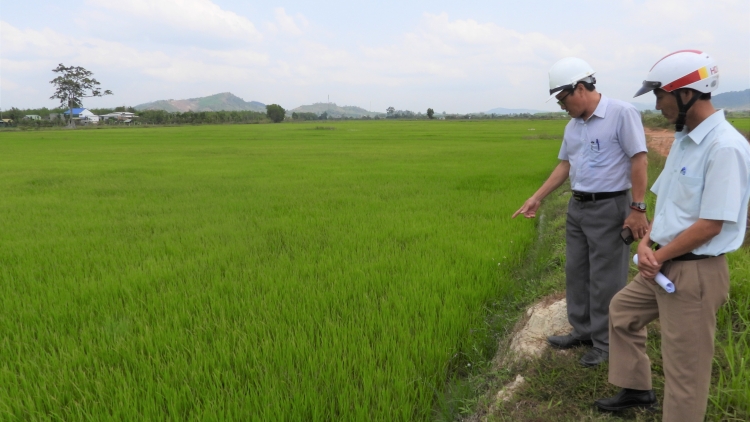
(83, 115)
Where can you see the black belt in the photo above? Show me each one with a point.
(586, 196)
(689, 256)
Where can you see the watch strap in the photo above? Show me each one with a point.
(638, 206)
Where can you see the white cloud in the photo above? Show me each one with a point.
(289, 25)
(28, 49)
(7, 84)
(513, 45)
(237, 57)
(623, 54)
(674, 10)
(40, 42)
(201, 16)
(143, 49)
(189, 71)
(31, 54)
(18, 67)
(441, 49)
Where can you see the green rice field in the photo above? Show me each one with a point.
(741, 123)
(255, 272)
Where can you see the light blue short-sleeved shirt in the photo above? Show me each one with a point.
(707, 175)
(599, 149)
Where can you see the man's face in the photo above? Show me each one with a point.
(667, 104)
(571, 101)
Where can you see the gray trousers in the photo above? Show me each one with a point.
(596, 264)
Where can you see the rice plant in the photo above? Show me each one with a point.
(254, 272)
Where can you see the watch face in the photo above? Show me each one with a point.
(639, 205)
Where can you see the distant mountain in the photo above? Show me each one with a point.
(733, 100)
(501, 110)
(333, 110)
(644, 106)
(225, 101)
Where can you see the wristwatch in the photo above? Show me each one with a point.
(638, 206)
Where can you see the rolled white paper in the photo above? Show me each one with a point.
(660, 278)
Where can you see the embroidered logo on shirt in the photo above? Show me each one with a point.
(683, 171)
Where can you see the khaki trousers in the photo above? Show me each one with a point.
(688, 325)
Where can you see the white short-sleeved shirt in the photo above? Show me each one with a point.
(707, 175)
(599, 149)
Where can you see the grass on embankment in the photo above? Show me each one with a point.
(559, 389)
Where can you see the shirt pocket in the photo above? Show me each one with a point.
(599, 152)
(687, 193)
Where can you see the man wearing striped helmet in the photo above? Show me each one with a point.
(604, 154)
(701, 214)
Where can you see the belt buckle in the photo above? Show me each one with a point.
(578, 196)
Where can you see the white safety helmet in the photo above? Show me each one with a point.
(691, 69)
(683, 69)
(566, 73)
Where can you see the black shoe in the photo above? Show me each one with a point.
(594, 357)
(567, 342)
(627, 398)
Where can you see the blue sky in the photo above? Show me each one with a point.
(451, 56)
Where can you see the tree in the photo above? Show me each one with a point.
(14, 114)
(390, 110)
(430, 113)
(275, 112)
(73, 85)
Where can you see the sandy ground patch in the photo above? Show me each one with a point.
(659, 140)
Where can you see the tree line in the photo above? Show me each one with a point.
(147, 117)
(274, 113)
(161, 117)
(75, 83)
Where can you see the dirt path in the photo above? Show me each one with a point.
(659, 140)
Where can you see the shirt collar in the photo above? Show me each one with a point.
(706, 126)
(601, 108)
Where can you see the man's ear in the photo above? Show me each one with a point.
(686, 95)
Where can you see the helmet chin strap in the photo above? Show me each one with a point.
(683, 108)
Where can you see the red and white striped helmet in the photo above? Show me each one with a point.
(691, 69)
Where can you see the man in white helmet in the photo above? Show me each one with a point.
(701, 214)
(604, 154)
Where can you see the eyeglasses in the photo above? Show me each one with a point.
(561, 101)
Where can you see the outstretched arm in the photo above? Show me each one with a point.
(558, 177)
